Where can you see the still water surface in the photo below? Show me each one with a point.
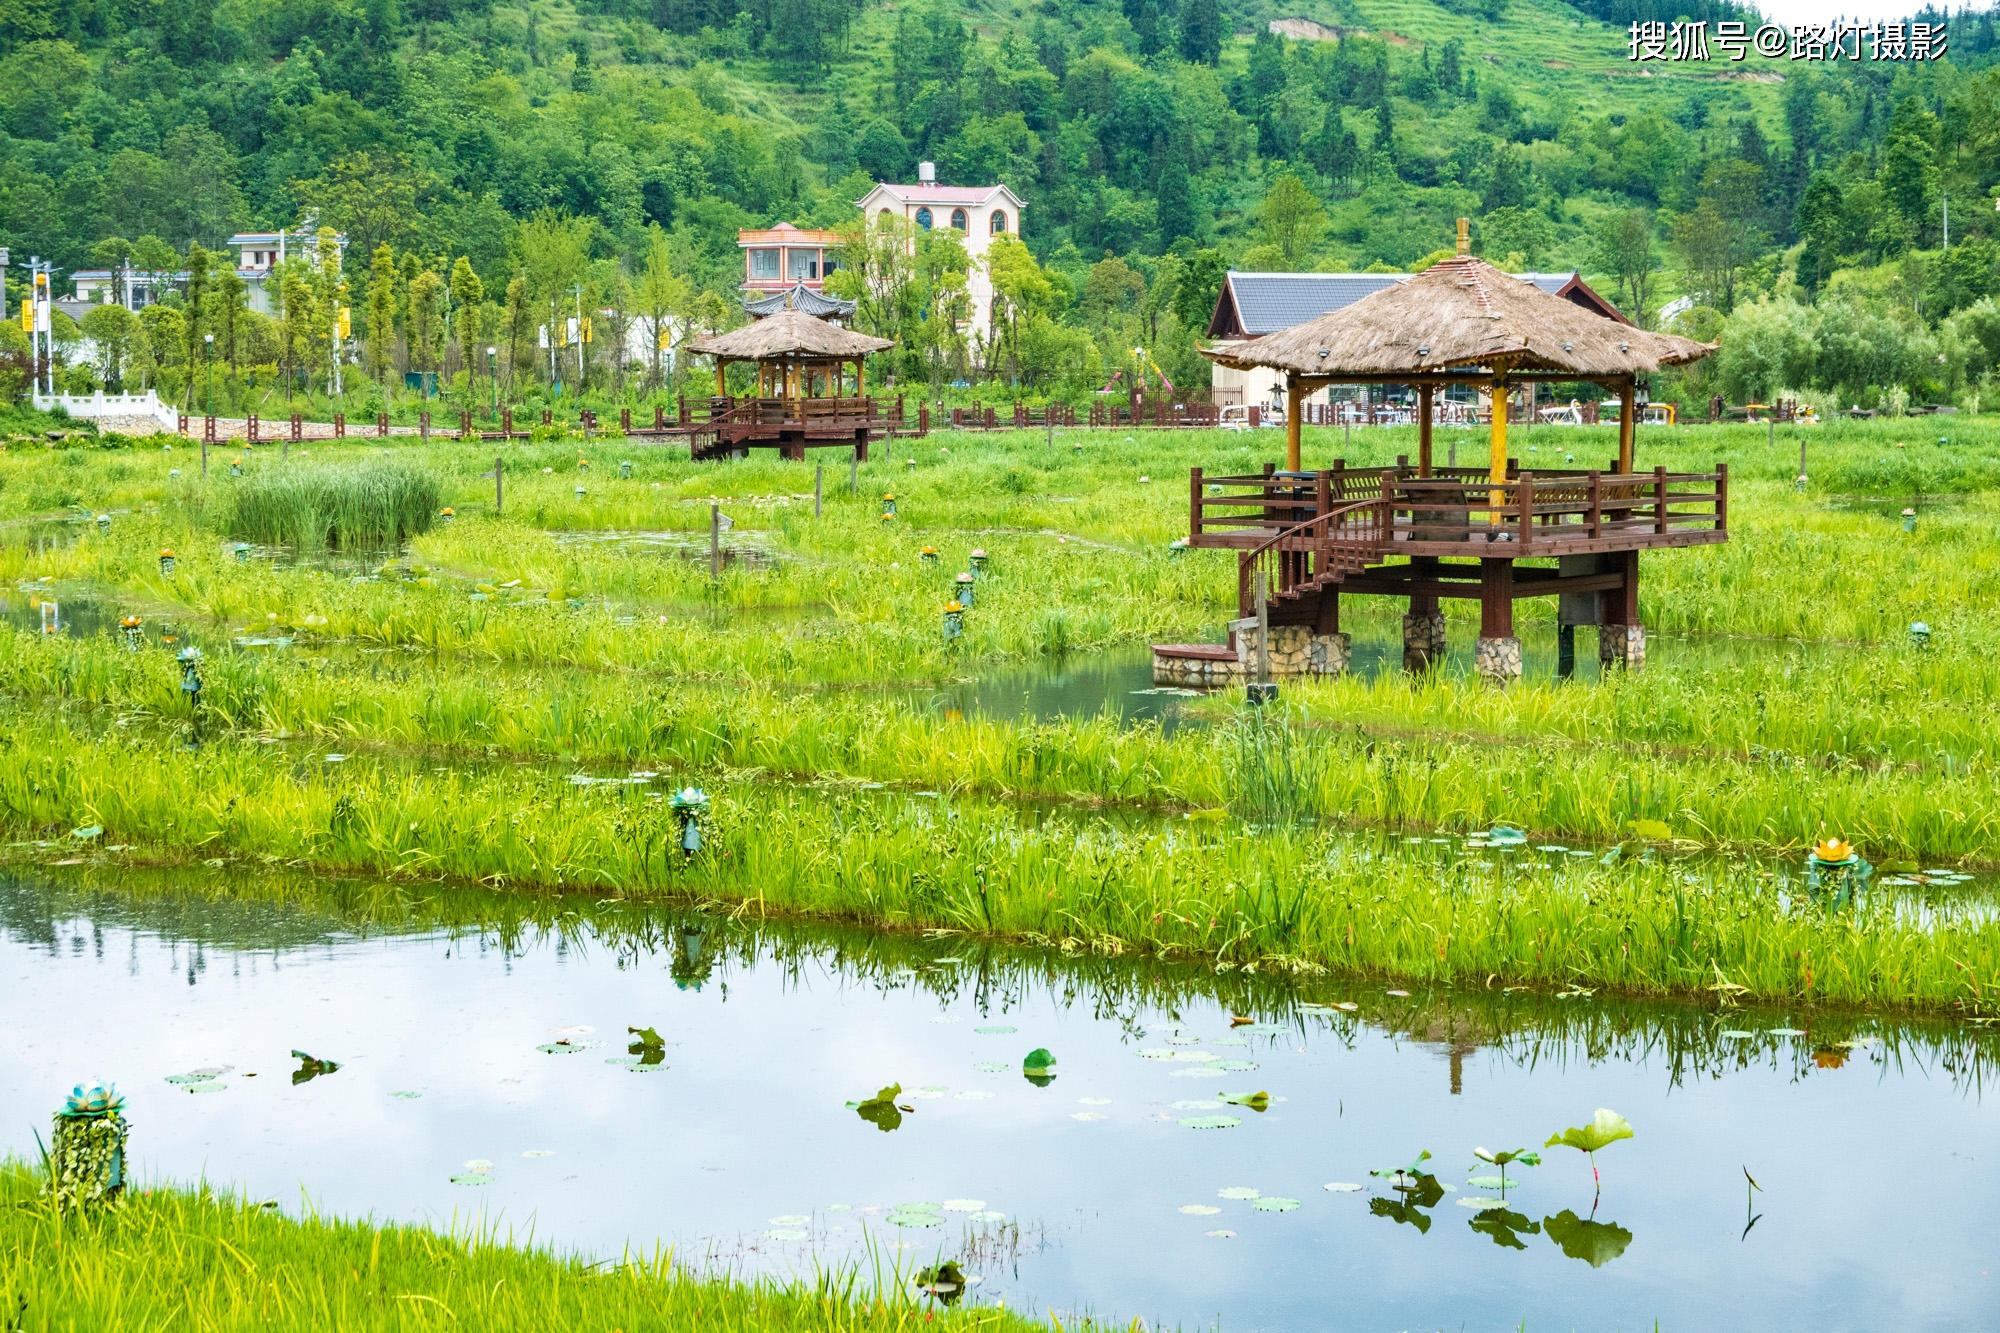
(1876, 1158)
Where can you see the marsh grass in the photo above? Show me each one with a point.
(1302, 899)
(366, 505)
(200, 1258)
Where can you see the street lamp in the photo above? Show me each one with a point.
(493, 382)
(208, 356)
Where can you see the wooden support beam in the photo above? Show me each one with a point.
(1627, 424)
(1293, 411)
(1498, 466)
(1496, 599)
(1424, 392)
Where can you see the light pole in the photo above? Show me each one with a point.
(493, 382)
(208, 357)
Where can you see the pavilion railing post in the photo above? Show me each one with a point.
(1527, 503)
(1194, 504)
(1660, 500)
(1722, 498)
(1263, 630)
(1596, 504)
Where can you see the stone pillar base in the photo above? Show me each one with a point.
(1621, 645)
(1423, 640)
(1497, 660)
(1329, 654)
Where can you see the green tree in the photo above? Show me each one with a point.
(1625, 251)
(114, 252)
(194, 300)
(1201, 32)
(424, 326)
(381, 312)
(467, 292)
(1199, 288)
(112, 328)
(1291, 219)
(1177, 212)
(660, 297)
(1820, 222)
(1909, 175)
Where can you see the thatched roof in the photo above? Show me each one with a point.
(1457, 314)
(789, 333)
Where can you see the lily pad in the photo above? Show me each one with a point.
(1788, 1032)
(1200, 1209)
(1239, 1192)
(1231, 1041)
(1256, 1101)
(1193, 1057)
(1736, 1033)
(472, 1178)
(791, 1220)
(1210, 1122)
(539, 1152)
(1486, 1183)
(1202, 1071)
(1221, 1234)
(997, 1030)
(1236, 1066)
(1480, 1202)
(406, 1095)
(987, 1216)
(992, 1067)
(1039, 1059)
(928, 1094)
(1158, 1053)
(1274, 1203)
(208, 1085)
(184, 1080)
(1343, 1187)
(1183, 1039)
(566, 1047)
(902, 1218)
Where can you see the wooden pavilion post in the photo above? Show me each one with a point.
(721, 385)
(1497, 470)
(1627, 424)
(1424, 430)
(1292, 413)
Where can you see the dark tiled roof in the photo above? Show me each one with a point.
(803, 299)
(1267, 302)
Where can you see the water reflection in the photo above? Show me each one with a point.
(831, 1089)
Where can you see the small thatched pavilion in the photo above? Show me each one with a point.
(797, 355)
(812, 388)
(1306, 536)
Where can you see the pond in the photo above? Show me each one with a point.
(1123, 1179)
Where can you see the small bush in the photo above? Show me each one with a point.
(377, 504)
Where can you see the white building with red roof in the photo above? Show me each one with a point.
(981, 212)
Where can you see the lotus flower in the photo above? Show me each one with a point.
(93, 1098)
(952, 608)
(1834, 850)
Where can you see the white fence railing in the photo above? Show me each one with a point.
(96, 405)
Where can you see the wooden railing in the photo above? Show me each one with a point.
(1307, 556)
(1527, 509)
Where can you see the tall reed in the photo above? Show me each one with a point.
(315, 506)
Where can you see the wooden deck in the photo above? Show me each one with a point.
(1456, 533)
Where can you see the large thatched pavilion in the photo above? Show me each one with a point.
(812, 385)
(1424, 532)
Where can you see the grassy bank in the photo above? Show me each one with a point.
(467, 679)
(196, 1258)
(1290, 897)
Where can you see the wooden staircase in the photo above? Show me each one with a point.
(1305, 558)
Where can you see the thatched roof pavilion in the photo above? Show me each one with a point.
(790, 348)
(1461, 321)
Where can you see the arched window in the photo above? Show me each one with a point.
(883, 216)
(999, 220)
(958, 220)
(924, 218)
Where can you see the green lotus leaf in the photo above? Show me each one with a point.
(1596, 1243)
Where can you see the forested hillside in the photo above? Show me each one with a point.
(619, 145)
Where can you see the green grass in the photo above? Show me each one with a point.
(203, 1259)
(1302, 898)
(587, 631)
(349, 506)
